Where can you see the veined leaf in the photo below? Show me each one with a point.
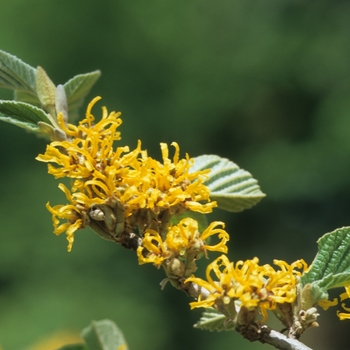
(104, 335)
(15, 74)
(23, 115)
(76, 90)
(331, 266)
(212, 320)
(333, 257)
(233, 188)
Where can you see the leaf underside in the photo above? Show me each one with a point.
(15, 74)
(76, 90)
(104, 335)
(233, 188)
(212, 320)
(22, 114)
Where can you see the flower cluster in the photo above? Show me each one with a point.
(111, 187)
(117, 191)
(248, 284)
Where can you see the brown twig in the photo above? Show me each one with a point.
(279, 340)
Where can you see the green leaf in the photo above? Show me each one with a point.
(76, 90)
(212, 320)
(27, 97)
(233, 188)
(74, 347)
(23, 115)
(332, 259)
(331, 266)
(15, 74)
(104, 335)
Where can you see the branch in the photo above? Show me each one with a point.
(279, 340)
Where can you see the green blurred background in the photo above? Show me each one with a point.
(264, 83)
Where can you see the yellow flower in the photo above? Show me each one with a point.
(88, 148)
(125, 180)
(346, 295)
(169, 185)
(153, 248)
(325, 304)
(186, 236)
(181, 240)
(248, 283)
(69, 212)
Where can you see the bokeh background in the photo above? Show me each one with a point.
(264, 83)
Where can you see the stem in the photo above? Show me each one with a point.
(193, 290)
(279, 340)
(263, 334)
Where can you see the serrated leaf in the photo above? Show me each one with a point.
(74, 347)
(22, 114)
(104, 335)
(333, 257)
(15, 74)
(76, 90)
(331, 266)
(212, 320)
(233, 188)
